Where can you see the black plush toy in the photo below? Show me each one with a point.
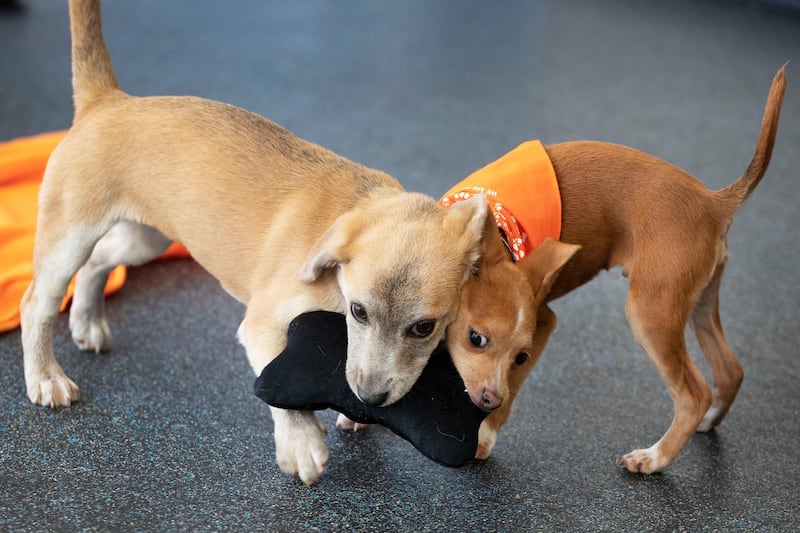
(436, 416)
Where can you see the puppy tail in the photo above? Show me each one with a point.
(737, 192)
(92, 72)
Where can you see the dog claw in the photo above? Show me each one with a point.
(55, 391)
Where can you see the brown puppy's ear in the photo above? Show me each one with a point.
(332, 248)
(467, 219)
(545, 262)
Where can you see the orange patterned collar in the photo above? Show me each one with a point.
(523, 194)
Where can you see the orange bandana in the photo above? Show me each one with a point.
(523, 194)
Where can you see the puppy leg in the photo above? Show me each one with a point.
(658, 321)
(127, 243)
(60, 249)
(726, 372)
(487, 435)
(299, 446)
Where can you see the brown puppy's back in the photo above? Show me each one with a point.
(603, 187)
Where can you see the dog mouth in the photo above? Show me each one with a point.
(381, 387)
(374, 399)
(375, 393)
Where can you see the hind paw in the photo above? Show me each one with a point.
(90, 334)
(712, 418)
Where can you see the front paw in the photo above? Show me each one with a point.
(487, 437)
(646, 461)
(300, 448)
(342, 422)
(90, 333)
(54, 390)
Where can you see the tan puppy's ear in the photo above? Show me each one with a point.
(467, 219)
(545, 262)
(332, 248)
(493, 249)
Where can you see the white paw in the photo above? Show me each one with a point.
(55, 390)
(90, 333)
(300, 449)
(711, 419)
(646, 461)
(487, 437)
(342, 422)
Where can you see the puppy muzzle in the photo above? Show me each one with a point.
(370, 397)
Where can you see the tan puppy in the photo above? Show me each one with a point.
(622, 208)
(286, 227)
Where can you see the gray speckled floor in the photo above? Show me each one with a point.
(169, 436)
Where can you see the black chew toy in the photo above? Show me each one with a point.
(436, 416)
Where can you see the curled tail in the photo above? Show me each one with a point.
(92, 73)
(737, 192)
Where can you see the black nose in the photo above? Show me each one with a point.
(372, 399)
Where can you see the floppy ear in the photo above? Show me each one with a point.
(545, 262)
(332, 248)
(468, 220)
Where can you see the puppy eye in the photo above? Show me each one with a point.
(521, 358)
(358, 312)
(477, 340)
(422, 329)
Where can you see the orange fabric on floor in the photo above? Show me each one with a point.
(22, 163)
(523, 194)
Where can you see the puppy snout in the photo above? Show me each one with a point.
(490, 400)
(372, 398)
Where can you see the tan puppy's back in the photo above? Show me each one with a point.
(297, 188)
